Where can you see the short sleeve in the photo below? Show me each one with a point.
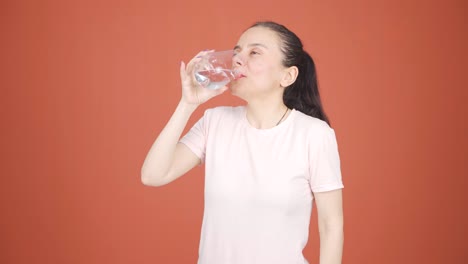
(195, 139)
(324, 163)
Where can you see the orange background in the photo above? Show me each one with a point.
(86, 86)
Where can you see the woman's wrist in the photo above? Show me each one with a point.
(187, 107)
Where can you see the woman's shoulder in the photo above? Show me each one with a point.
(310, 123)
(314, 129)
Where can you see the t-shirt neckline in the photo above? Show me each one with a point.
(281, 125)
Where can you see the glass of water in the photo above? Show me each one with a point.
(214, 70)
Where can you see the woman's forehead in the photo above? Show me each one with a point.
(259, 36)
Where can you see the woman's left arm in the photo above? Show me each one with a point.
(330, 221)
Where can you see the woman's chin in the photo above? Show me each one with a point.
(233, 86)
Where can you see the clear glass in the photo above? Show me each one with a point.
(214, 70)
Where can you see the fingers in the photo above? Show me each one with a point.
(192, 90)
(221, 90)
(203, 52)
(187, 70)
(204, 94)
(183, 73)
(197, 58)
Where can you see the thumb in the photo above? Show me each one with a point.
(183, 72)
(221, 90)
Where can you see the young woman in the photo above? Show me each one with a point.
(265, 162)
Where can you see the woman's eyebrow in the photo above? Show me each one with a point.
(251, 45)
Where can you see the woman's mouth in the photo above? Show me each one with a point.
(240, 76)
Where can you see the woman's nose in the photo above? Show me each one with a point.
(237, 60)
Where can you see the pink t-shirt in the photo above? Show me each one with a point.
(259, 184)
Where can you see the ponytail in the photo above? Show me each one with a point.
(303, 95)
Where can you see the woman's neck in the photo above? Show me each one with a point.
(264, 115)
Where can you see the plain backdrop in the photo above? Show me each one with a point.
(86, 86)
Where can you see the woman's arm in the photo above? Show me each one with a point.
(330, 220)
(167, 159)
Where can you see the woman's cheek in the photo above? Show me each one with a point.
(257, 66)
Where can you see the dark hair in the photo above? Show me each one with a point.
(303, 95)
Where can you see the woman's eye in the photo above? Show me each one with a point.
(254, 52)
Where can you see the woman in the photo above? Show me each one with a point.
(265, 162)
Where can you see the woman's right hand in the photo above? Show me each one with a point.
(192, 92)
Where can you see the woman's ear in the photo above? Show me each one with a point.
(290, 76)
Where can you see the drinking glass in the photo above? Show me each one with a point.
(214, 70)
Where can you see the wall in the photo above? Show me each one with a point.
(87, 86)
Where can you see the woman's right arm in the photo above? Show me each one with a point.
(167, 159)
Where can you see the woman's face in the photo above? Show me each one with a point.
(257, 56)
